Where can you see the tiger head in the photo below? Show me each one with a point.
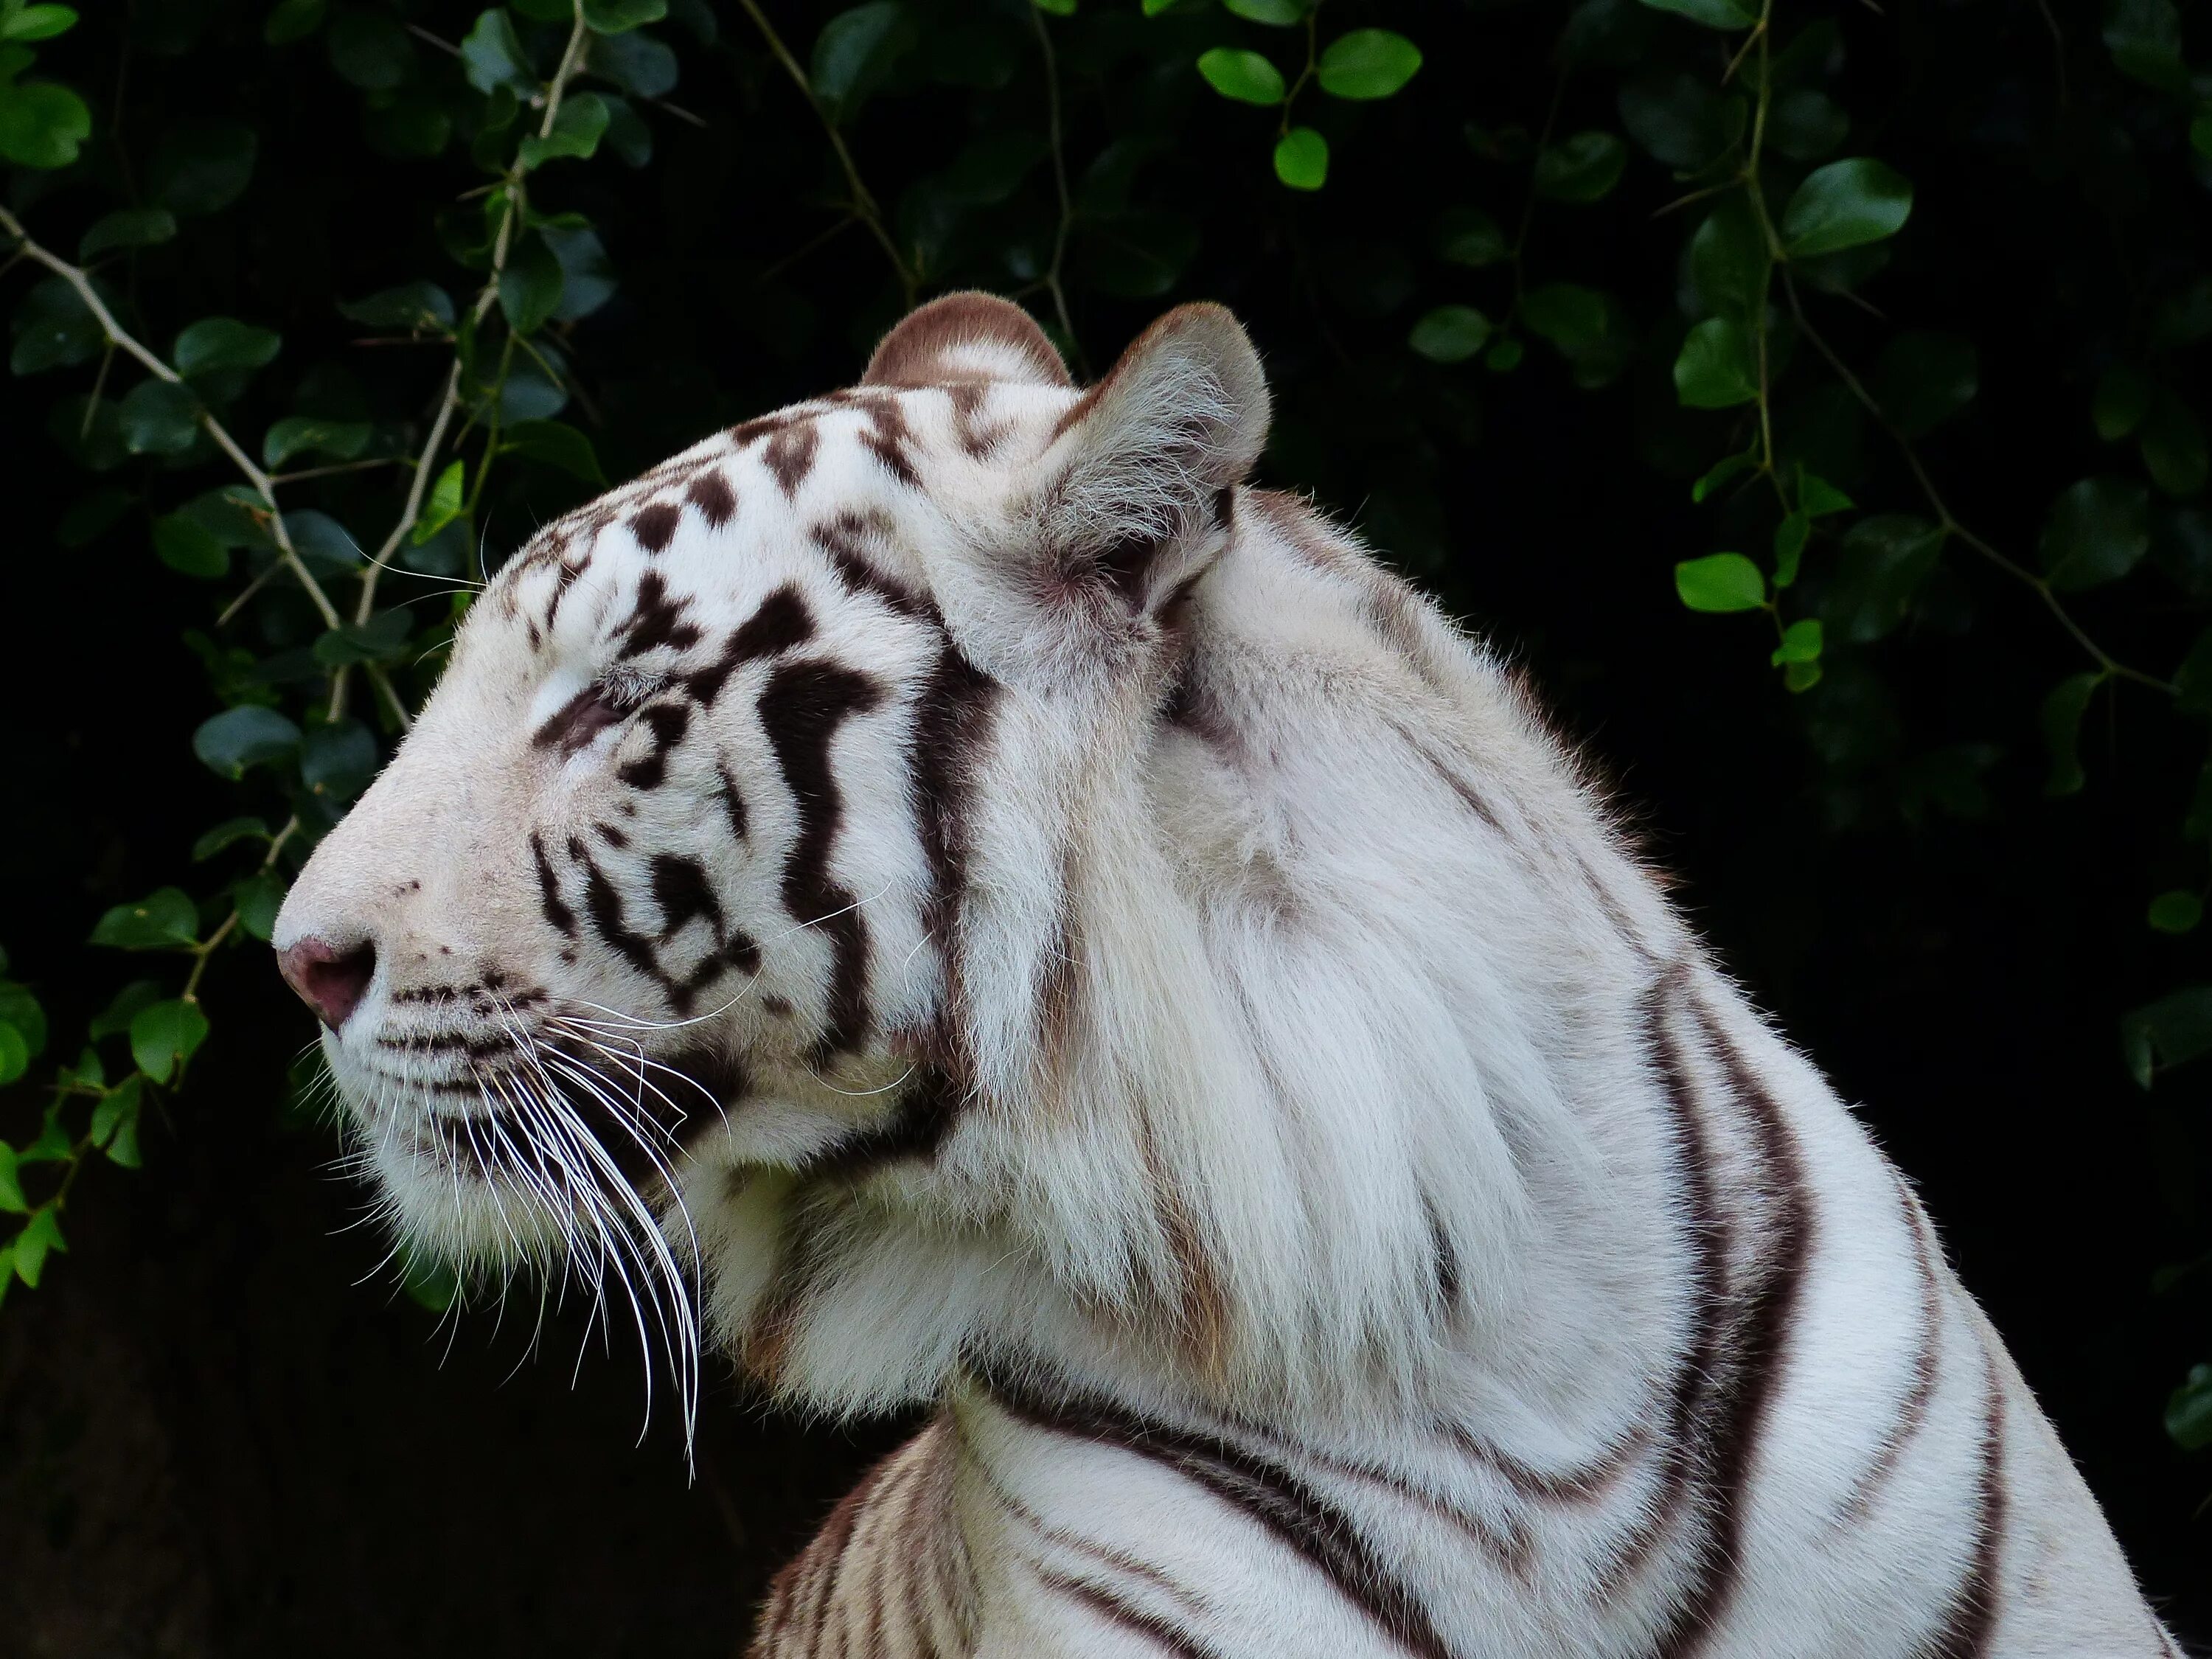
(809, 884)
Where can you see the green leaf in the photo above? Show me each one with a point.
(1713, 14)
(1921, 380)
(1280, 14)
(163, 920)
(492, 56)
(2144, 37)
(1367, 63)
(20, 1010)
(1587, 327)
(1800, 643)
(2172, 446)
(41, 1234)
(1720, 582)
(2189, 1410)
(2200, 134)
(1716, 369)
(587, 280)
(2170, 1032)
(530, 287)
(1719, 474)
(1246, 76)
(258, 897)
(382, 637)
(201, 167)
(42, 123)
(115, 1019)
(187, 546)
(2177, 912)
(1729, 262)
(126, 228)
(2098, 530)
(430, 1282)
(1583, 168)
(90, 515)
(578, 127)
(1805, 123)
(338, 760)
(114, 1127)
(37, 23)
(1817, 497)
(369, 49)
(215, 343)
(55, 329)
(2192, 681)
(15, 1054)
(555, 445)
(165, 1036)
(418, 307)
(12, 1201)
(618, 17)
(1056, 8)
(228, 834)
(306, 434)
(1844, 204)
(1469, 236)
(244, 736)
(292, 20)
(2123, 398)
(1451, 334)
(159, 417)
(1302, 158)
(640, 65)
(2061, 731)
(446, 503)
(1790, 538)
(1680, 120)
(855, 52)
(1504, 356)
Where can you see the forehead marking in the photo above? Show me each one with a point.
(844, 539)
(654, 527)
(781, 622)
(790, 454)
(657, 619)
(711, 494)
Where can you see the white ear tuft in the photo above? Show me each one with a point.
(963, 338)
(1146, 454)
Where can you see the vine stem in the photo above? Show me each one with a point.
(1948, 521)
(206, 948)
(863, 204)
(76, 277)
(1053, 283)
(450, 399)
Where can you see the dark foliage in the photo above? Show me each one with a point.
(1911, 693)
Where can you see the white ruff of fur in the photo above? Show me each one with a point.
(953, 886)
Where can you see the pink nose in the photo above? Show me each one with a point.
(330, 981)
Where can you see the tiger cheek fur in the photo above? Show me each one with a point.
(948, 885)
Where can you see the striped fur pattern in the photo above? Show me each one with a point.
(1003, 915)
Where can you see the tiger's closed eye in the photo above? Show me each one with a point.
(607, 701)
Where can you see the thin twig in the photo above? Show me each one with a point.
(1948, 521)
(863, 202)
(118, 335)
(1053, 283)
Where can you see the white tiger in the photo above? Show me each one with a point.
(1043, 929)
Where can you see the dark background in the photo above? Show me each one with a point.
(214, 1442)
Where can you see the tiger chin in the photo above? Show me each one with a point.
(950, 889)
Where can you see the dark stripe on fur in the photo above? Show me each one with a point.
(655, 525)
(1756, 1350)
(1966, 1628)
(800, 710)
(951, 724)
(656, 618)
(1912, 1411)
(1111, 1609)
(1265, 1492)
(844, 539)
(782, 623)
(548, 890)
(915, 1129)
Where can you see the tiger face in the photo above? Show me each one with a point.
(719, 873)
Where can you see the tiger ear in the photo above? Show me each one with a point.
(1141, 465)
(967, 337)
